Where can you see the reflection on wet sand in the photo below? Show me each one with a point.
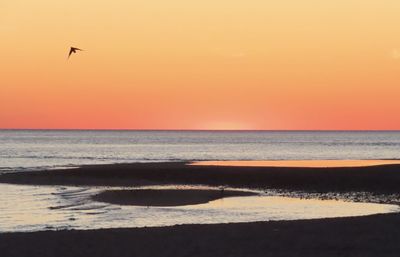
(299, 163)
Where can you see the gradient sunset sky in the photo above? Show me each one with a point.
(209, 64)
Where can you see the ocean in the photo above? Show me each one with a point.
(48, 149)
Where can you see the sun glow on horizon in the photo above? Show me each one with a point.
(218, 125)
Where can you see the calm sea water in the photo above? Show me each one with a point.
(33, 149)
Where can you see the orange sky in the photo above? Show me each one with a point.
(182, 64)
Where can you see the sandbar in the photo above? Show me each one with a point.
(170, 197)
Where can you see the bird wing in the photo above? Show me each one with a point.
(70, 51)
(78, 49)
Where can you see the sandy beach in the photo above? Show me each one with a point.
(371, 236)
(375, 235)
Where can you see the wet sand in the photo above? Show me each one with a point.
(166, 197)
(376, 235)
(370, 236)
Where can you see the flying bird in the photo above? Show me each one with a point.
(73, 50)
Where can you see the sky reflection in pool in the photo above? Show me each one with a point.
(34, 208)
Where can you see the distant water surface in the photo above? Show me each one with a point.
(36, 149)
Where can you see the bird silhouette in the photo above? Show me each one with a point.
(73, 50)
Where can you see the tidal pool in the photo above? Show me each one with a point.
(37, 208)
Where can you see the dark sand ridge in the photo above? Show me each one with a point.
(382, 180)
(371, 236)
(170, 197)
